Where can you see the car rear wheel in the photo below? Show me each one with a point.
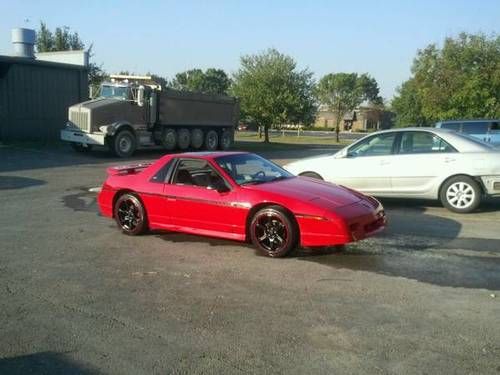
(130, 215)
(124, 144)
(273, 232)
(311, 175)
(461, 194)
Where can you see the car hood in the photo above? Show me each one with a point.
(307, 189)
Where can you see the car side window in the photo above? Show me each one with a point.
(423, 143)
(475, 127)
(452, 126)
(197, 172)
(163, 173)
(377, 145)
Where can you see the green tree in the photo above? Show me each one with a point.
(64, 40)
(459, 80)
(407, 106)
(44, 39)
(273, 91)
(211, 81)
(342, 93)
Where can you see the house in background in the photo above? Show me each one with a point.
(365, 118)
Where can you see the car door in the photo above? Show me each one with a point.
(422, 159)
(365, 167)
(200, 198)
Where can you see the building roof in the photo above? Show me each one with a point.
(48, 64)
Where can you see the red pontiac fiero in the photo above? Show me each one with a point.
(238, 196)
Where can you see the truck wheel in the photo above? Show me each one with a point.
(183, 139)
(226, 139)
(196, 138)
(169, 139)
(211, 140)
(124, 144)
(79, 147)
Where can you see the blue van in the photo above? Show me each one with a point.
(485, 130)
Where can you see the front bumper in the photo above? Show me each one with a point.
(491, 185)
(350, 223)
(77, 136)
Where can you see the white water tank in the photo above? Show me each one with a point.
(24, 42)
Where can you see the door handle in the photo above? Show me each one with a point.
(449, 160)
(384, 162)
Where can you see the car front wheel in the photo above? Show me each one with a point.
(130, 215)
(273, 232)
(461, 194)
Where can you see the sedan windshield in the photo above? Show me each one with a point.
(248, 169)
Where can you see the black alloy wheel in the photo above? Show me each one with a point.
(130, 215)
(273, 232)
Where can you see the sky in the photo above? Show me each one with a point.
(380, 38)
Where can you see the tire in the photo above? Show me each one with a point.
(211, 140)
(183, 139)
(130, 215)
(79, 147)
(169, 139)
(226, 139)
(311, 175)
(460, 194)
(124, 144)
(273, 232)
(197, 138)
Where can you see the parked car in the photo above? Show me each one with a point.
(238, 196)
(429, 163)
(485, 130)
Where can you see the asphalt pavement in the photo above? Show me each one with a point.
(79, 297)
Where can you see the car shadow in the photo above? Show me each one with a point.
(44, 363)
(419, 246)
(18, 182)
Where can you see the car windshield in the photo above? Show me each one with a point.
(119, 92)
(248, 169)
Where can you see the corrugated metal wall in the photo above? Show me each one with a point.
(34, 99)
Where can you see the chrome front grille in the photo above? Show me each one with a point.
(80, 119)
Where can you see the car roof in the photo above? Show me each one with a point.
(465, 120)
(204, 154)
(462, 142)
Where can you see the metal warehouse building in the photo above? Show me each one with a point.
(35, 94)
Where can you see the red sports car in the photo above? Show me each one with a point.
(238, 196)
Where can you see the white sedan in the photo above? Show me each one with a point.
(426, 163)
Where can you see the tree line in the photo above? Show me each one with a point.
(459, 80)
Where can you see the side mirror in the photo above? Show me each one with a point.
(140, 96)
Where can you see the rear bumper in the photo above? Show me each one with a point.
(491, 185)
(77, 136)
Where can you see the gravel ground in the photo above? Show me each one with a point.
(77, 296)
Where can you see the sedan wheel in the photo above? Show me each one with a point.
(461, 194)
(130, 214)
(273, 232)
(311, 175)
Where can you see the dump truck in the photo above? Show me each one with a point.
(134, 112)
